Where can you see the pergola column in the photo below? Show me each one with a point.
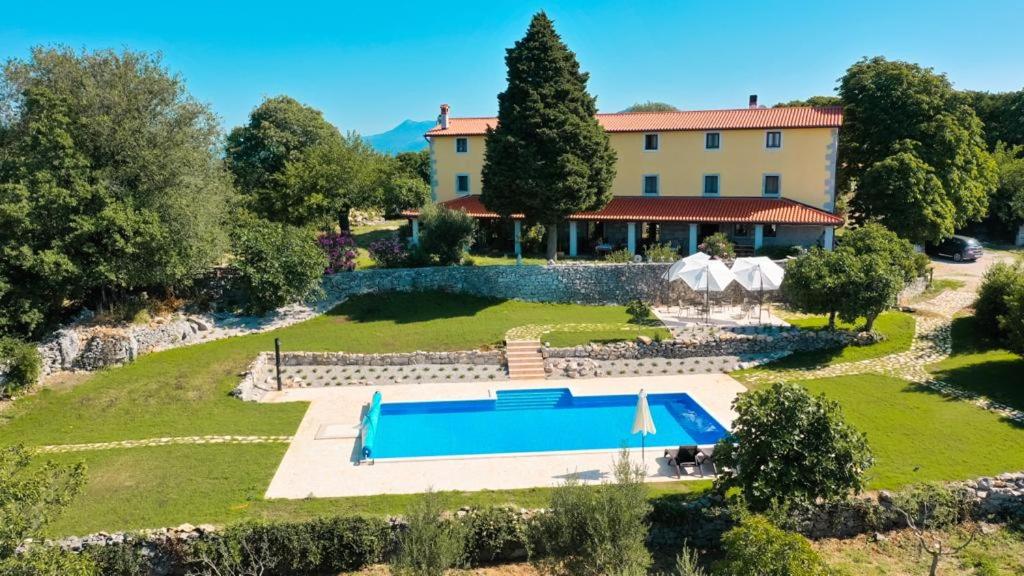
(829, 238)
(573, 243)
(415, 231)
(518, 224)
(758, 236)
(631, 237)
(693, 238)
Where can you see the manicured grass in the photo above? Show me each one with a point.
(560, 338)
(898, 328)
(167, 486)
(979, 365)
(505, 260)
(184, 392)
(917, 435)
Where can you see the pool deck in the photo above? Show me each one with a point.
(321, 460)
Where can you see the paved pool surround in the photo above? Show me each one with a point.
(330, 467)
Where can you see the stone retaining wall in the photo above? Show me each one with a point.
(577, 282)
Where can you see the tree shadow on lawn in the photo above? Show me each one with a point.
(979, 365)
(410, 307)
(923, 389)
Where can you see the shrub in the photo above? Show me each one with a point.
(596, 530)
(991, 304)
(758, 548)
(718, 246)
(873, 238)
(340, 249)
(787, 445)
(661, 253)
(278, 264)
(447, 233)
(639, 311)
(1012, 323)
(619, 256)
(50, 561)
(688, 563)
(431, 543)
(932, 506)
(22, 364)
(320, 546)
(495, 534)
(778, 252)
(389, 252)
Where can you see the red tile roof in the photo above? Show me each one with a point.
(737, 119)
(682, 209)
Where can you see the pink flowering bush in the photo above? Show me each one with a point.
(340, 249)
(389, 252)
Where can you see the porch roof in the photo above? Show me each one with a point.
(752, 210)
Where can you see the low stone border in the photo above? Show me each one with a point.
(168, 441)
(1008, 412)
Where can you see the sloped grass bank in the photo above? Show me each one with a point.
(981, 366)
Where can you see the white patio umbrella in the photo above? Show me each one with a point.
(678, 265)
(758, 273)
(709, 275)
(643, 422)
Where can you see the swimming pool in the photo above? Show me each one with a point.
(541, 420)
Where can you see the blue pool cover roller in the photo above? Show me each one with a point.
(370, 422)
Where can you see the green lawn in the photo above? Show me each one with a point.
(184, 392)
(937, 287)
(898, 328)
(167, 486)
(980, 366)
(560, 338)
(917, 435)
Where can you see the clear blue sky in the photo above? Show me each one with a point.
(369, 65)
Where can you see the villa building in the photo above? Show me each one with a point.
(764, 176)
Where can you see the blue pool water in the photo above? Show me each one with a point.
(544, 420)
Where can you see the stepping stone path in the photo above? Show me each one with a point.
(167, 441)
(932, 343)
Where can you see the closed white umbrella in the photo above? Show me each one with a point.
(758, 273)
(678, 265)
(643, 422)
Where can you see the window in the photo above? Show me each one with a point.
(461, 145)
(462, 183)
(711, 184)
(712, 140)
(770, 230)
(650, 142)
(772, 184)
(651, 185)
(773, 140)
(741, 231)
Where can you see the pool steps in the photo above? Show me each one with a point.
(525, 361)
(530, 399)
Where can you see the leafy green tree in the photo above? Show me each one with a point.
(870, 287)
(817, 101)
(1007, 203)
(431, 544)
(279, 264)
(1012, 321)
(109, 183)
(548, 157)
(756, 547)
(415, 164)
(718, 246)
(447, 234)
(1002, 113)
(787, 446)
(906, 132)
(31, 495)
(597, 530)
(875, 239)
(815, 281)
(651, 106)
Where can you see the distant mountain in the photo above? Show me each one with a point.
(406, 137)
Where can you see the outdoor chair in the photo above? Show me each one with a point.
(684, 456)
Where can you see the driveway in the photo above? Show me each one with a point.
(971, 273)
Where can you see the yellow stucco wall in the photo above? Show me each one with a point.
(805, 163)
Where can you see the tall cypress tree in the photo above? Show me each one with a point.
(548, 157)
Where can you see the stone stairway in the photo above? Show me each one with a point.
(525, 361)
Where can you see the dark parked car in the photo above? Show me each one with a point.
(959, 248)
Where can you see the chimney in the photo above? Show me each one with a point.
(443, 118)
(753, 101)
